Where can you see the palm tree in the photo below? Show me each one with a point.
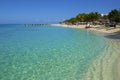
(114, 16)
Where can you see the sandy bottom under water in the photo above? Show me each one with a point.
(107, 65)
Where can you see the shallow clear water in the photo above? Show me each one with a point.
(47, 52)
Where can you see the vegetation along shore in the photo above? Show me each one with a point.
(108, 23)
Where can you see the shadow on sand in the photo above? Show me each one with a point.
(115, 35)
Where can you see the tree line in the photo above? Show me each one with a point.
(112, 16)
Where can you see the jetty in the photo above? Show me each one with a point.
(29, 25)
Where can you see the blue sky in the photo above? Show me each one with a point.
(50, 11)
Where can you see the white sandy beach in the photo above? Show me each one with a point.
(93, 28)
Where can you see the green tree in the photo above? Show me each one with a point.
(114, 15)
(72, 21)
(81, 17)
(66, 21)
(105, 17)
(94, 16)
(87, 18)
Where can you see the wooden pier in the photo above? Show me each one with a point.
(30, 25)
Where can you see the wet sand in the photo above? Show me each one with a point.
(107, 65)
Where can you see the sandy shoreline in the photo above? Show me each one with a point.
(93, 28)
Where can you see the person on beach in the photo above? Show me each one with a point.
(87, 25)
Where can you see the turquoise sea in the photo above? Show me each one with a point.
(48, 52)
